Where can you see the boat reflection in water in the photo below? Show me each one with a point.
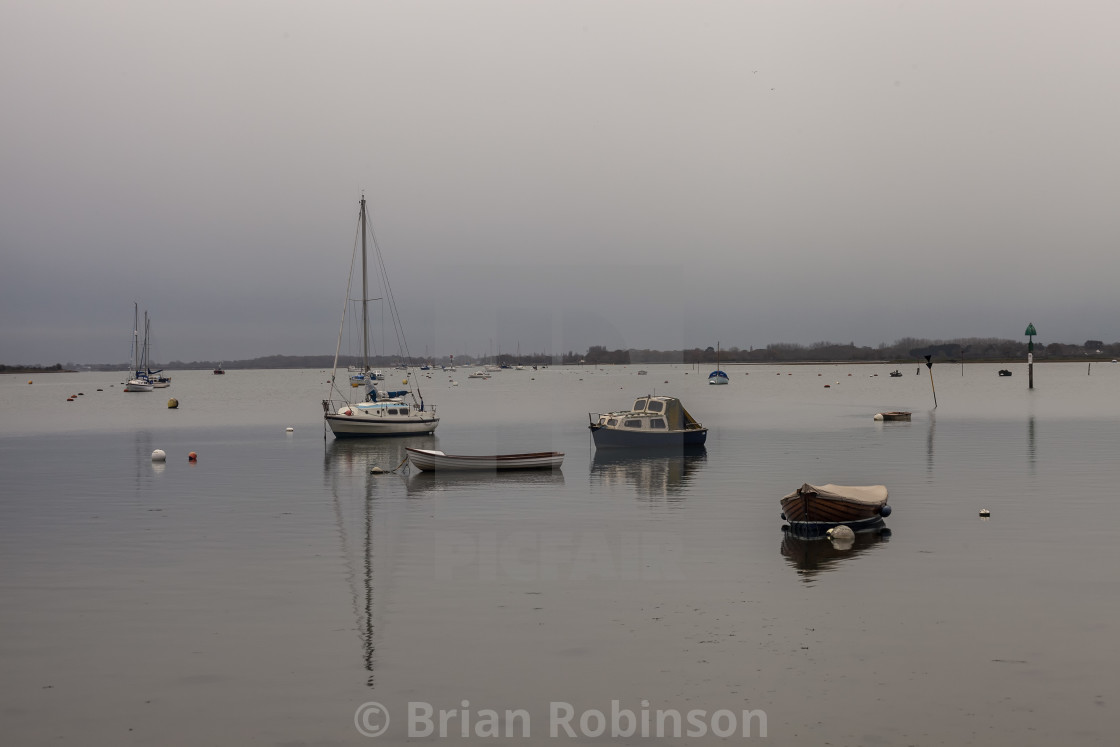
(361, 455)
(653, 474)
(368, 527)
(422, 484)
(813, 553)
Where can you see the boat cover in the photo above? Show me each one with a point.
(871, 495)
(677, 417)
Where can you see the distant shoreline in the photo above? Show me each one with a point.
(23, 370)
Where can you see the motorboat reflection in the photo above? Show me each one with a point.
(658, 474)
(812, 553)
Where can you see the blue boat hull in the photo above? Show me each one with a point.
(616, 438)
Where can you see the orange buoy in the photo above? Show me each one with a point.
(192, 457)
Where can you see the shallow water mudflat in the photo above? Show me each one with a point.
(264, 593)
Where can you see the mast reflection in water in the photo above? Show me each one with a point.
(354, 490)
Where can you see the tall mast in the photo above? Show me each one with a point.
(147, 327)
(365, 294)
(135, 337)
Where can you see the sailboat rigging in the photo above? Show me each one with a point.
(379, 413)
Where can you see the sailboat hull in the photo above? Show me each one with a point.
(360, 425)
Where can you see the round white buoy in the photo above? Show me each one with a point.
(289, 429)
(841, 532)
(159, 455)
(878, 416)
(985, 513)
(376, 471)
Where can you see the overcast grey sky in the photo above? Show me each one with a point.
(556, 174)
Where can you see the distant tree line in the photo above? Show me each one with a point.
(31, 369)
(907, 349)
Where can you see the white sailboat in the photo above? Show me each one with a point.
(379, 413)
(138, 370)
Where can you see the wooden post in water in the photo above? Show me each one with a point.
(929, 365)
(1030, 333)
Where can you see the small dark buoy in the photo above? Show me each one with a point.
(885, 511)
(172, 404)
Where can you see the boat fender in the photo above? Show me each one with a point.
(885, 511)
(784, 516)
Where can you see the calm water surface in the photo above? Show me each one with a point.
(262, 594)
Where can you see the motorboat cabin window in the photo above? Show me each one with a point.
(657, 422)
(640, 405)
(655, 406)
(632, 424)
(612, 421)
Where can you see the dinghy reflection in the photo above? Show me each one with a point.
(422, 484)
(664, 474)
(812, 553)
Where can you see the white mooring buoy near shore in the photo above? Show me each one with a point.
(159, 455)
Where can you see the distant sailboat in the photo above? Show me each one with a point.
(139, 381)
(157, 379)
(718, 376)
